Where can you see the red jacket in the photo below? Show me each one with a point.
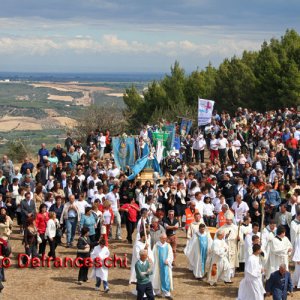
(41, 222)
(3, 243)
(132, 212)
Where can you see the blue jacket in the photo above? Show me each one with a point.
(279, 285)
(272, 197)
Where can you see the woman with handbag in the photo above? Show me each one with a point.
(98, 217)
(51, 232)
(31, 238)
(41, 224)
(83, 251)
(58, 207)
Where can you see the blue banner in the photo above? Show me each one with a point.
(177, 143)
(142, 163)
(124, 150)
(138, 167)
(185, 127)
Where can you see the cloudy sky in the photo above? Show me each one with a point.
(135, 35)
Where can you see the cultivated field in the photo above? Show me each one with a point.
(8, 123)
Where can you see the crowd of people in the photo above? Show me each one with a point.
(233, 187)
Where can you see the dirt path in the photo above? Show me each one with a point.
(60, 284)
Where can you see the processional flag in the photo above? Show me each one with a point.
(205, 110)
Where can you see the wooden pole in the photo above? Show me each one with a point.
(262, 203)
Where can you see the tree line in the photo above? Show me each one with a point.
(259, 80)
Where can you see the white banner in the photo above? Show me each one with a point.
(205, 109)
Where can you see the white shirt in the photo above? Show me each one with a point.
(81, 206)
(208, 209)
(236, 144)
(199, 144)
(51, 228)
(81, 178)
(113, 173)
(91, 178)
(113, 199)
(106, 217)
(199, 206)
(102, 141)
(144, 134)
(223, 143)
(297, 135)
(240, 210)
(214, 144)
(99, 197)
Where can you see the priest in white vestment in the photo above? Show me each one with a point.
(248, 240)
(219, 266)
(295, 240)
(251, 286)
(249, 247)
(139, 245)
(245, 229)
(194, 226)
(162, 280)
(280, 250)
(100, 252)
(231, 238)
(267, 236)
(198, 252)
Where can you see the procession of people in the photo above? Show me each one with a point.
(231, 187)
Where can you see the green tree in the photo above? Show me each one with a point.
(235, 83)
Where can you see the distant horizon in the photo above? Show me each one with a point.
(135, 36)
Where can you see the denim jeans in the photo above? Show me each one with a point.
(71, 224)
(98, 283)
(229, 201)
(117, 221)
(101, 154)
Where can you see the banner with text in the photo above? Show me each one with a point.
(205, 109)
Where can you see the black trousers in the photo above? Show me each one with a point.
(83, 274)
(201, 156)
(42, 246)
(223, 155)
(144, 289)
(130, 226)
(52, 245)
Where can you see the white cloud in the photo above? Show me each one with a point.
(31, 46)
(114, 43)
(110, 43)
(80, 45)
